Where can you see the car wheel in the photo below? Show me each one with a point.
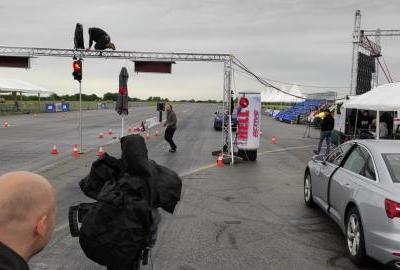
(308, 199)
(355, 237)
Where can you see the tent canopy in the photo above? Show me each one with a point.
(13, 85)
(274, 96)
(385, 97)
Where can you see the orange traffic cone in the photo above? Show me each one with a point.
(273, 140)
(5, 124)
(220, 161)
(110, 131)
(157, 134)
(54, 150)
(129, 129)
(148, 136)
(261, 132)
(101, 135)
(75, 151)
(101, 152)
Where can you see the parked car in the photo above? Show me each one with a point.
(358, 186)
(219, 117)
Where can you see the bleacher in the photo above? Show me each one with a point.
(301, 109)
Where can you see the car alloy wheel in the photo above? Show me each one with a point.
(308, 190)
(355, 237)
(353, 234)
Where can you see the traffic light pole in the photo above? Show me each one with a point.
(80, 117)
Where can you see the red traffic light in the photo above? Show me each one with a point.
(243, 102)
(77, 73)
(76, 66)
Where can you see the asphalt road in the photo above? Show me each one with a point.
(27, 143)
(249, 216)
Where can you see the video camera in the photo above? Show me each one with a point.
(76, 213)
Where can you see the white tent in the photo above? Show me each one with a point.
(13, 85)
(275, 96)
(382, 98)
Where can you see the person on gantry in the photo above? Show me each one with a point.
(102, 39)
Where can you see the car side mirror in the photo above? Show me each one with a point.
(319, 158)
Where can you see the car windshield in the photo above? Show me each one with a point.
(393, 164)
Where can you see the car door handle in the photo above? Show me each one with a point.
(347, 186)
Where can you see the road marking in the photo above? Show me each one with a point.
(284, 149)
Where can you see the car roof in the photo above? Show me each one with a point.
(381, 146)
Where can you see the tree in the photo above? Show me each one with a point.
(110, 96)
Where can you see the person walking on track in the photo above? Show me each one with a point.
(171, 127)
(327, 126)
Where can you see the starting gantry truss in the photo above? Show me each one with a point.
(226, 59)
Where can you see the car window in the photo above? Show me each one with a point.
(360, 162)
(338, 154)
(369, 170)
(356, 160)
(393, 164)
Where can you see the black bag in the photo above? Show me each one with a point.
(78, 38)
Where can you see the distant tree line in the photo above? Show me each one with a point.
(106, 97)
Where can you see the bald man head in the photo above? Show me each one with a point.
(27, 212)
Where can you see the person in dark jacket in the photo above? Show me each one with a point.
(171, 127)
(102, 39)
(327, 126)
(26, 221)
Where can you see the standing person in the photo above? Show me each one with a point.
(327, 125)
(27, 218)
(102, 39)
(170, 123)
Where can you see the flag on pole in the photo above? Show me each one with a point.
(122, 101)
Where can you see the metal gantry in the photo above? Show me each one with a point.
(227, 59)
(362, 41)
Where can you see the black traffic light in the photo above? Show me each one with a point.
(77, 67)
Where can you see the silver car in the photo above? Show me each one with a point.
(358, 186)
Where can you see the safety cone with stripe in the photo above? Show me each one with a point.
(5, 124)
(110, 131)
(220, 161)
(157, 134)
(75, 151)
(101, 152)
(273, 140)
(100, 136)
(148, 136)
(54, 150)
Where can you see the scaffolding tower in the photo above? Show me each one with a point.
(362, 43)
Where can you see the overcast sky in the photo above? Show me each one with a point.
(296, 41)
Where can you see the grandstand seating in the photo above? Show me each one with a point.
(299, 109)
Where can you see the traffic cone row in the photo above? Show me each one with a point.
(76, 152)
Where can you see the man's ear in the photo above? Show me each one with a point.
(41, 226)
